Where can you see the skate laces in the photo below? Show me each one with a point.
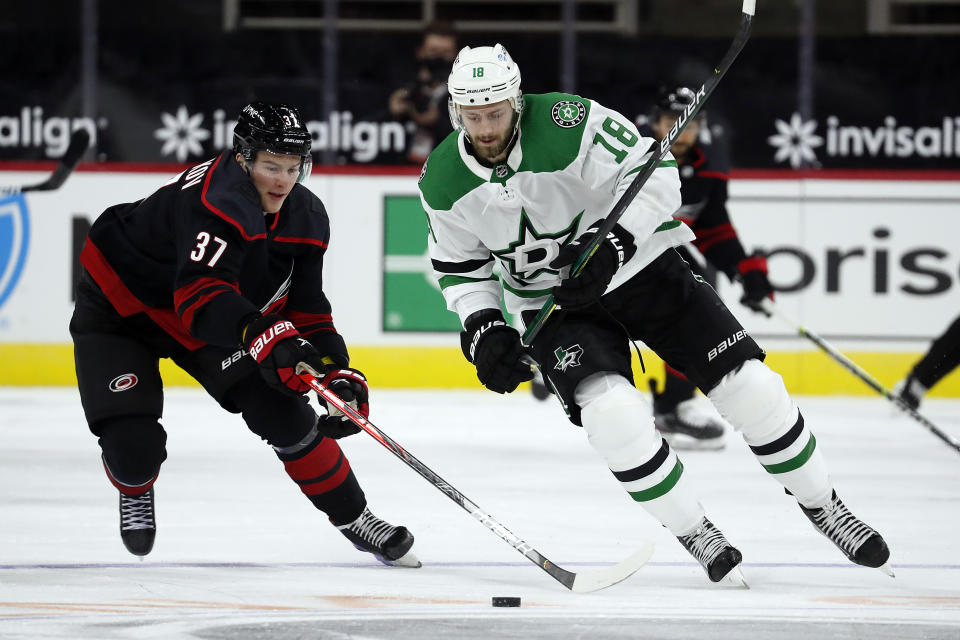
(371, 528)
(705, 543)
(136, 512)
(842, 527)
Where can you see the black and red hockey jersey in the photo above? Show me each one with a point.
(703, 192)
(198, 256)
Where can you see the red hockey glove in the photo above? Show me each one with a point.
(351, 387)
(756, 285)
(276, 345)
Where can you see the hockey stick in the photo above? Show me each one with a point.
(582, 582)
(79, 142)
(739, 40)
(856, 370)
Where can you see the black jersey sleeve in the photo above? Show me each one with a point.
(310, 311)
(716, 237)
(207, 294)
(216, 229)
(307, 306)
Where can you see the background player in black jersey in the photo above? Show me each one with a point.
(942, 358)
(678, 414)
(221, 270)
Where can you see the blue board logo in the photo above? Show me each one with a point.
(14, 241)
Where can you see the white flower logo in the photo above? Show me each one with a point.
(795, 140)
(181, 134)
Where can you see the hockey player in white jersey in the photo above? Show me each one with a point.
(524, 180)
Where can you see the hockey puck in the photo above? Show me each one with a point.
(503, 601)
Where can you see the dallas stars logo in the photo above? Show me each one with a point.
(569, 357)
(532, 252)
(568, 114)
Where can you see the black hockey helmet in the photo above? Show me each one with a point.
(674, 101)
(273, 127)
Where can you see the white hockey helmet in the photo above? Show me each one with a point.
(482, 76)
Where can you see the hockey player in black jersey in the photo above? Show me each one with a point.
(221, 270)
(678, 414)
(941, 358)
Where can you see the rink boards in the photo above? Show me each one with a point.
(866, 259)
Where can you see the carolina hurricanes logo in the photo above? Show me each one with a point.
(124, 382)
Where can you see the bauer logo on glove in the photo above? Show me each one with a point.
(282, 329)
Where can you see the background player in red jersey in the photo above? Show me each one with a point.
(221, 270)
(703, 189)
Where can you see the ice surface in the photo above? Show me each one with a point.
(241, 554)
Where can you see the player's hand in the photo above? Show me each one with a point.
(495, 350)
(276, 345)
(586, 287)
(350, 386)
(756, 284)
(399, 103)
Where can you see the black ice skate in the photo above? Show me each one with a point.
(686, 425)
(718, 557)
(389, 544)
(138, 526)
(858, 541)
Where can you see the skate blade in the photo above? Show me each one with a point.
(408, 560)
(735, 579)
(681, 442)
(887, 569)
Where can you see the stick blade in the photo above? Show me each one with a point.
(79, 142)
(588, 581)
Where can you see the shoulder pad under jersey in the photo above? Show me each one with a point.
(304, 218)
(228, 193)
(445, 178)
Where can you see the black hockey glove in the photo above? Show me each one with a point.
(276, 345)
(586, 288)
(756, 285)
(351, 386)
(494, 348)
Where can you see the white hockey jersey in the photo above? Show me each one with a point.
(572, 161)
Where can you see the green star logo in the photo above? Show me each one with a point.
(532, 252)
(568, 114)
(569, 357)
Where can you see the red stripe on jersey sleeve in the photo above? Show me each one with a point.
(109, 282)
(707, 238)
(314, 241)
(128, 304)
(714, 174)
(308, 323)
(207, 288)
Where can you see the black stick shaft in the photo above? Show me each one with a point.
(566, 578)
(859, 372)
(658, 151)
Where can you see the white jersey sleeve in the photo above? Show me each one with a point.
(614, 153)
(462, 265)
